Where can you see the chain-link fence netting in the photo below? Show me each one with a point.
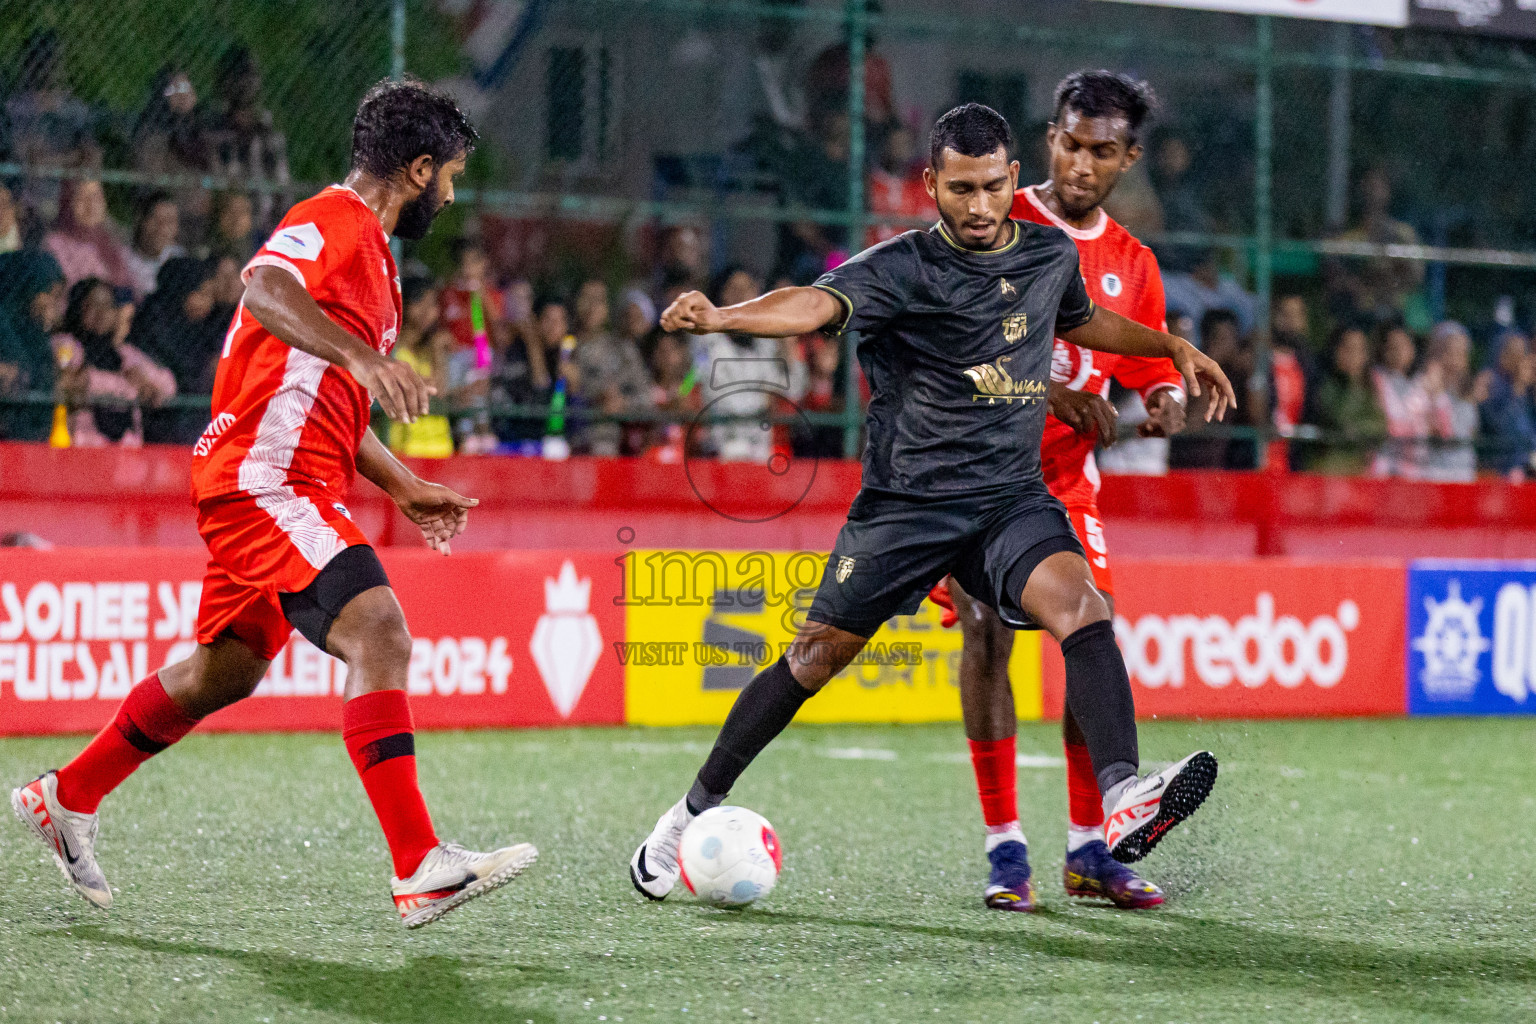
(1302, 176)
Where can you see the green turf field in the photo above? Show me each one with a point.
(1341, 871)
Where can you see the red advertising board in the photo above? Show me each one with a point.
(522, 638)
(1256, 639)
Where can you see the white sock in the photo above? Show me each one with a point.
(1079, 836)
(1114, 793)
(1008, 832)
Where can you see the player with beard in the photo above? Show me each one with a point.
(1093, 140)
(956, 330)
(305, 356)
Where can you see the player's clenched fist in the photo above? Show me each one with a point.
(399, 389)
(691, 312)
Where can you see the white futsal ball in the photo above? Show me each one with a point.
(730, 856)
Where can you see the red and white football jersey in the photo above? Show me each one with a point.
(1121, 275)
(282, 417)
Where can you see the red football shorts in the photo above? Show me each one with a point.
(260, 546)
(1090, 530)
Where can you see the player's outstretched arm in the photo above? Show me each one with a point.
(782, 313)
(440, 512)
(283, 307)
(1108, 331)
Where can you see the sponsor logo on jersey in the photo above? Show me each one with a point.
(1016, 326)
(1112, 285)
(299, 242)
(220, 424)
(1008, 290)
(339, 507)
(993, 381)
(844, 568)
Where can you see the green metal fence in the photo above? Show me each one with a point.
(629, 113)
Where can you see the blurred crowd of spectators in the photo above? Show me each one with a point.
(526, 371)
(111, 310)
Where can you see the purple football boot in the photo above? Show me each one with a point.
(1010, 888)
(1091, 871)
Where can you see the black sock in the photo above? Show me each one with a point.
(1099, 697)
(765, 707)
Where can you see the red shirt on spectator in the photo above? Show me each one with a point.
(455, 303)
(898, 195)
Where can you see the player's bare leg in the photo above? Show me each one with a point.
(60, 807)
(765, 707)
(431, 877)
(1060, 595)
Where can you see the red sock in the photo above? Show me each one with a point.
(1085, 808)
(377, 729)
(147, 721)
(997, 780)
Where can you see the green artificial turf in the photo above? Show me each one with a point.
(1342, 870)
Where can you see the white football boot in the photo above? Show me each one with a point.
(1145, 810)
(654, 867)
(450, 876)
(69, 836)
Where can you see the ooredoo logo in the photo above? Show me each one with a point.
(1257, 648)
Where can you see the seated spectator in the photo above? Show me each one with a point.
(614, 378)
(105, 381)
(819, 181)
(232, 227)
(683, 264)
(532, 369)
(49, 126)
(1204, 288)
(423, 346)
(1345, 407)
(1454, 395)
(1403, 401)
(177, 328)
(895, 187)
(675, 391)
(1182, 199)
(471, 307)
(470, 310)
(743, 375)
(825, 391)
(1508, 426)
(10, 224)
(1374, 288)
(154, 242)
(1203, 445)
(31, 305)
(83, 238)
(227, 287)
(1291, 366)
(241, 136)
(637, 316)
(168, 138)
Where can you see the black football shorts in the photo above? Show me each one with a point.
(892, 550)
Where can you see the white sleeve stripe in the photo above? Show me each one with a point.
(268, 260)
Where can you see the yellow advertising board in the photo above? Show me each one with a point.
(700, 624)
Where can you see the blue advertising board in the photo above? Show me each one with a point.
(1471, 638)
